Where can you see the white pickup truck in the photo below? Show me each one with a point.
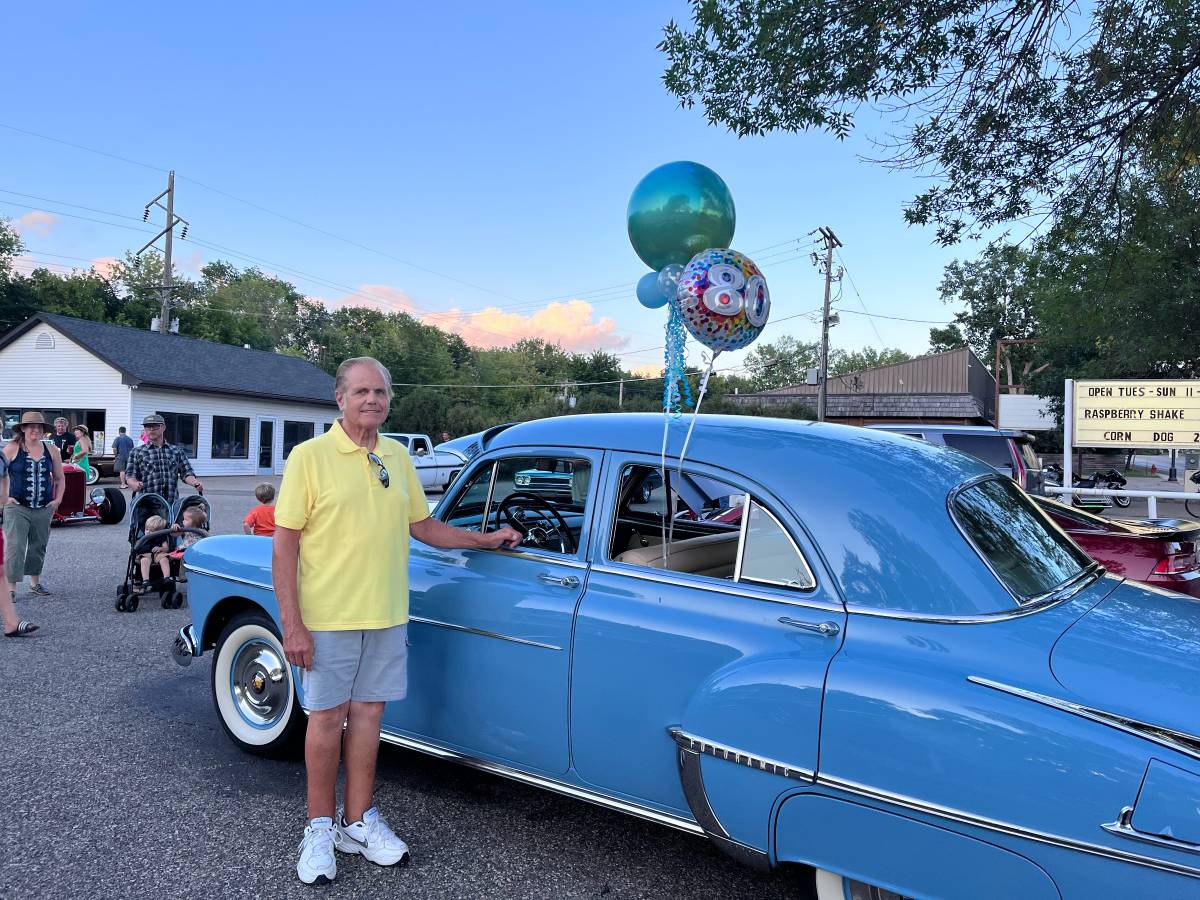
(435, 468)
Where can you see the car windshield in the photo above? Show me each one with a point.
(1027, 553)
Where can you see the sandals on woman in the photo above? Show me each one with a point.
(23, 629)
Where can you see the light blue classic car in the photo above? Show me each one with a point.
(860, 653)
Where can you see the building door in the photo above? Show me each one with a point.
(266, 446)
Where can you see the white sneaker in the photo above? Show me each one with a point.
(372, 838)
(317, 864)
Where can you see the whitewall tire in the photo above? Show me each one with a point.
(831, 886)
(252, 687)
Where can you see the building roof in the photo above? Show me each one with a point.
(935, 373)
(177, 363)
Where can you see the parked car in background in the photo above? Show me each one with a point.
(83, 503)
(893, 668)
(1005, 449)
(1160, 552)
(435, 469)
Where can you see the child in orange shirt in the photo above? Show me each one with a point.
(261, 519)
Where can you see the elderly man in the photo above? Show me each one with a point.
(157, 467)
(61, 439)
(348, 503)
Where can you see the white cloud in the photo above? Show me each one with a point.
(37, 223)
(104, 265)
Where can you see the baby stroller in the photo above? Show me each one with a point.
(133, 588)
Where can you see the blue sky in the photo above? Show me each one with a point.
(496, 144)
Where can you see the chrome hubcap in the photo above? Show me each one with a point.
(259, 682)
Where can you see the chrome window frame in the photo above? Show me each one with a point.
(578, 559)
(737, 572)
(1062, 591)
(758, 590)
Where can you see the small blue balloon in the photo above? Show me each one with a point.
(668, 280)
(648, 293)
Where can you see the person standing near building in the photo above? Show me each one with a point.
(122, 447)
(348, 503)
(82, 451)
(35, 489)
(61, 439)
(13, 626)
(157, 467)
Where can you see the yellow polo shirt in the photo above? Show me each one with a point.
(353, 530)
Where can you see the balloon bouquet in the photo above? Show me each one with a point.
(681, 220)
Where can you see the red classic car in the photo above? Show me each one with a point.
(80, 503)
(1158, 552)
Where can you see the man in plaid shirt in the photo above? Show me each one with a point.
(156, 467)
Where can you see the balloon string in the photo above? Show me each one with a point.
(677, 393)
(696, 413)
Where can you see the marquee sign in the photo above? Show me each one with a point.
(1136, 414)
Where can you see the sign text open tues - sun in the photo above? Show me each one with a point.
(1137, 414)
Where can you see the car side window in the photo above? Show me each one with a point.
(469, 510)
(420, 447)
(701, 518)
(770, 555)
(544, 498)
(992, 449)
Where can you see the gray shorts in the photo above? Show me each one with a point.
(369, 665)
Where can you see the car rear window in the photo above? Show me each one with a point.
(991, 448)
(1027, 553)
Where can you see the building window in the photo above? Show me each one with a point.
(181, 430)
(295, 433)
(326, 427)
(230, 438)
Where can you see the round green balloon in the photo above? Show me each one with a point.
(678, 210)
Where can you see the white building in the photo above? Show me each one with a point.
(236, 411)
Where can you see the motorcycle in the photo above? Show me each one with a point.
(1110, 479)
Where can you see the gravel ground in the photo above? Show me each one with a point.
(117, 781)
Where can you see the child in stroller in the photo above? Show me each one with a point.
(158, 554)
(155, 548)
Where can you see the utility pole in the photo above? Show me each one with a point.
(164, 319)
(831, 242)
(621, 394)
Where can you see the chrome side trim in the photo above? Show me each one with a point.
(550, 784)
(1179, 741)
(745, 590)
(224, 577)
(1008, 828)
(568, 562)
(692, 780)
(1122, 828)
(699, 745)
(482, 633)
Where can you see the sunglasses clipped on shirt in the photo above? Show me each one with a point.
(382, 474)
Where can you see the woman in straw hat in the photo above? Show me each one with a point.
(35, 488)
(13, 626)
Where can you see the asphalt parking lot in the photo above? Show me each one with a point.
(117, 781)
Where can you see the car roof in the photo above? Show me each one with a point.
(950, 429)
(762, 447)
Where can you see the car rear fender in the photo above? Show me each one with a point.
(911, 858)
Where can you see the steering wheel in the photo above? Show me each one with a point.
(538, 520)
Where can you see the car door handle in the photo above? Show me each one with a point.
(829, 629)
(567, 581)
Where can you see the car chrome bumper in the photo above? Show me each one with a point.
(184, 647)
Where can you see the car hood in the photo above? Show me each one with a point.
(1135, 654)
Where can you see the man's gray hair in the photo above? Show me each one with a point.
(339, 380)
(61, 419)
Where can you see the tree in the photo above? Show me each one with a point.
(843, 361)
(999, 291)
(1014, 106)
(1123, 308)
(781, 363)
(10, 247)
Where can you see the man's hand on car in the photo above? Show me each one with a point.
(508, 538)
